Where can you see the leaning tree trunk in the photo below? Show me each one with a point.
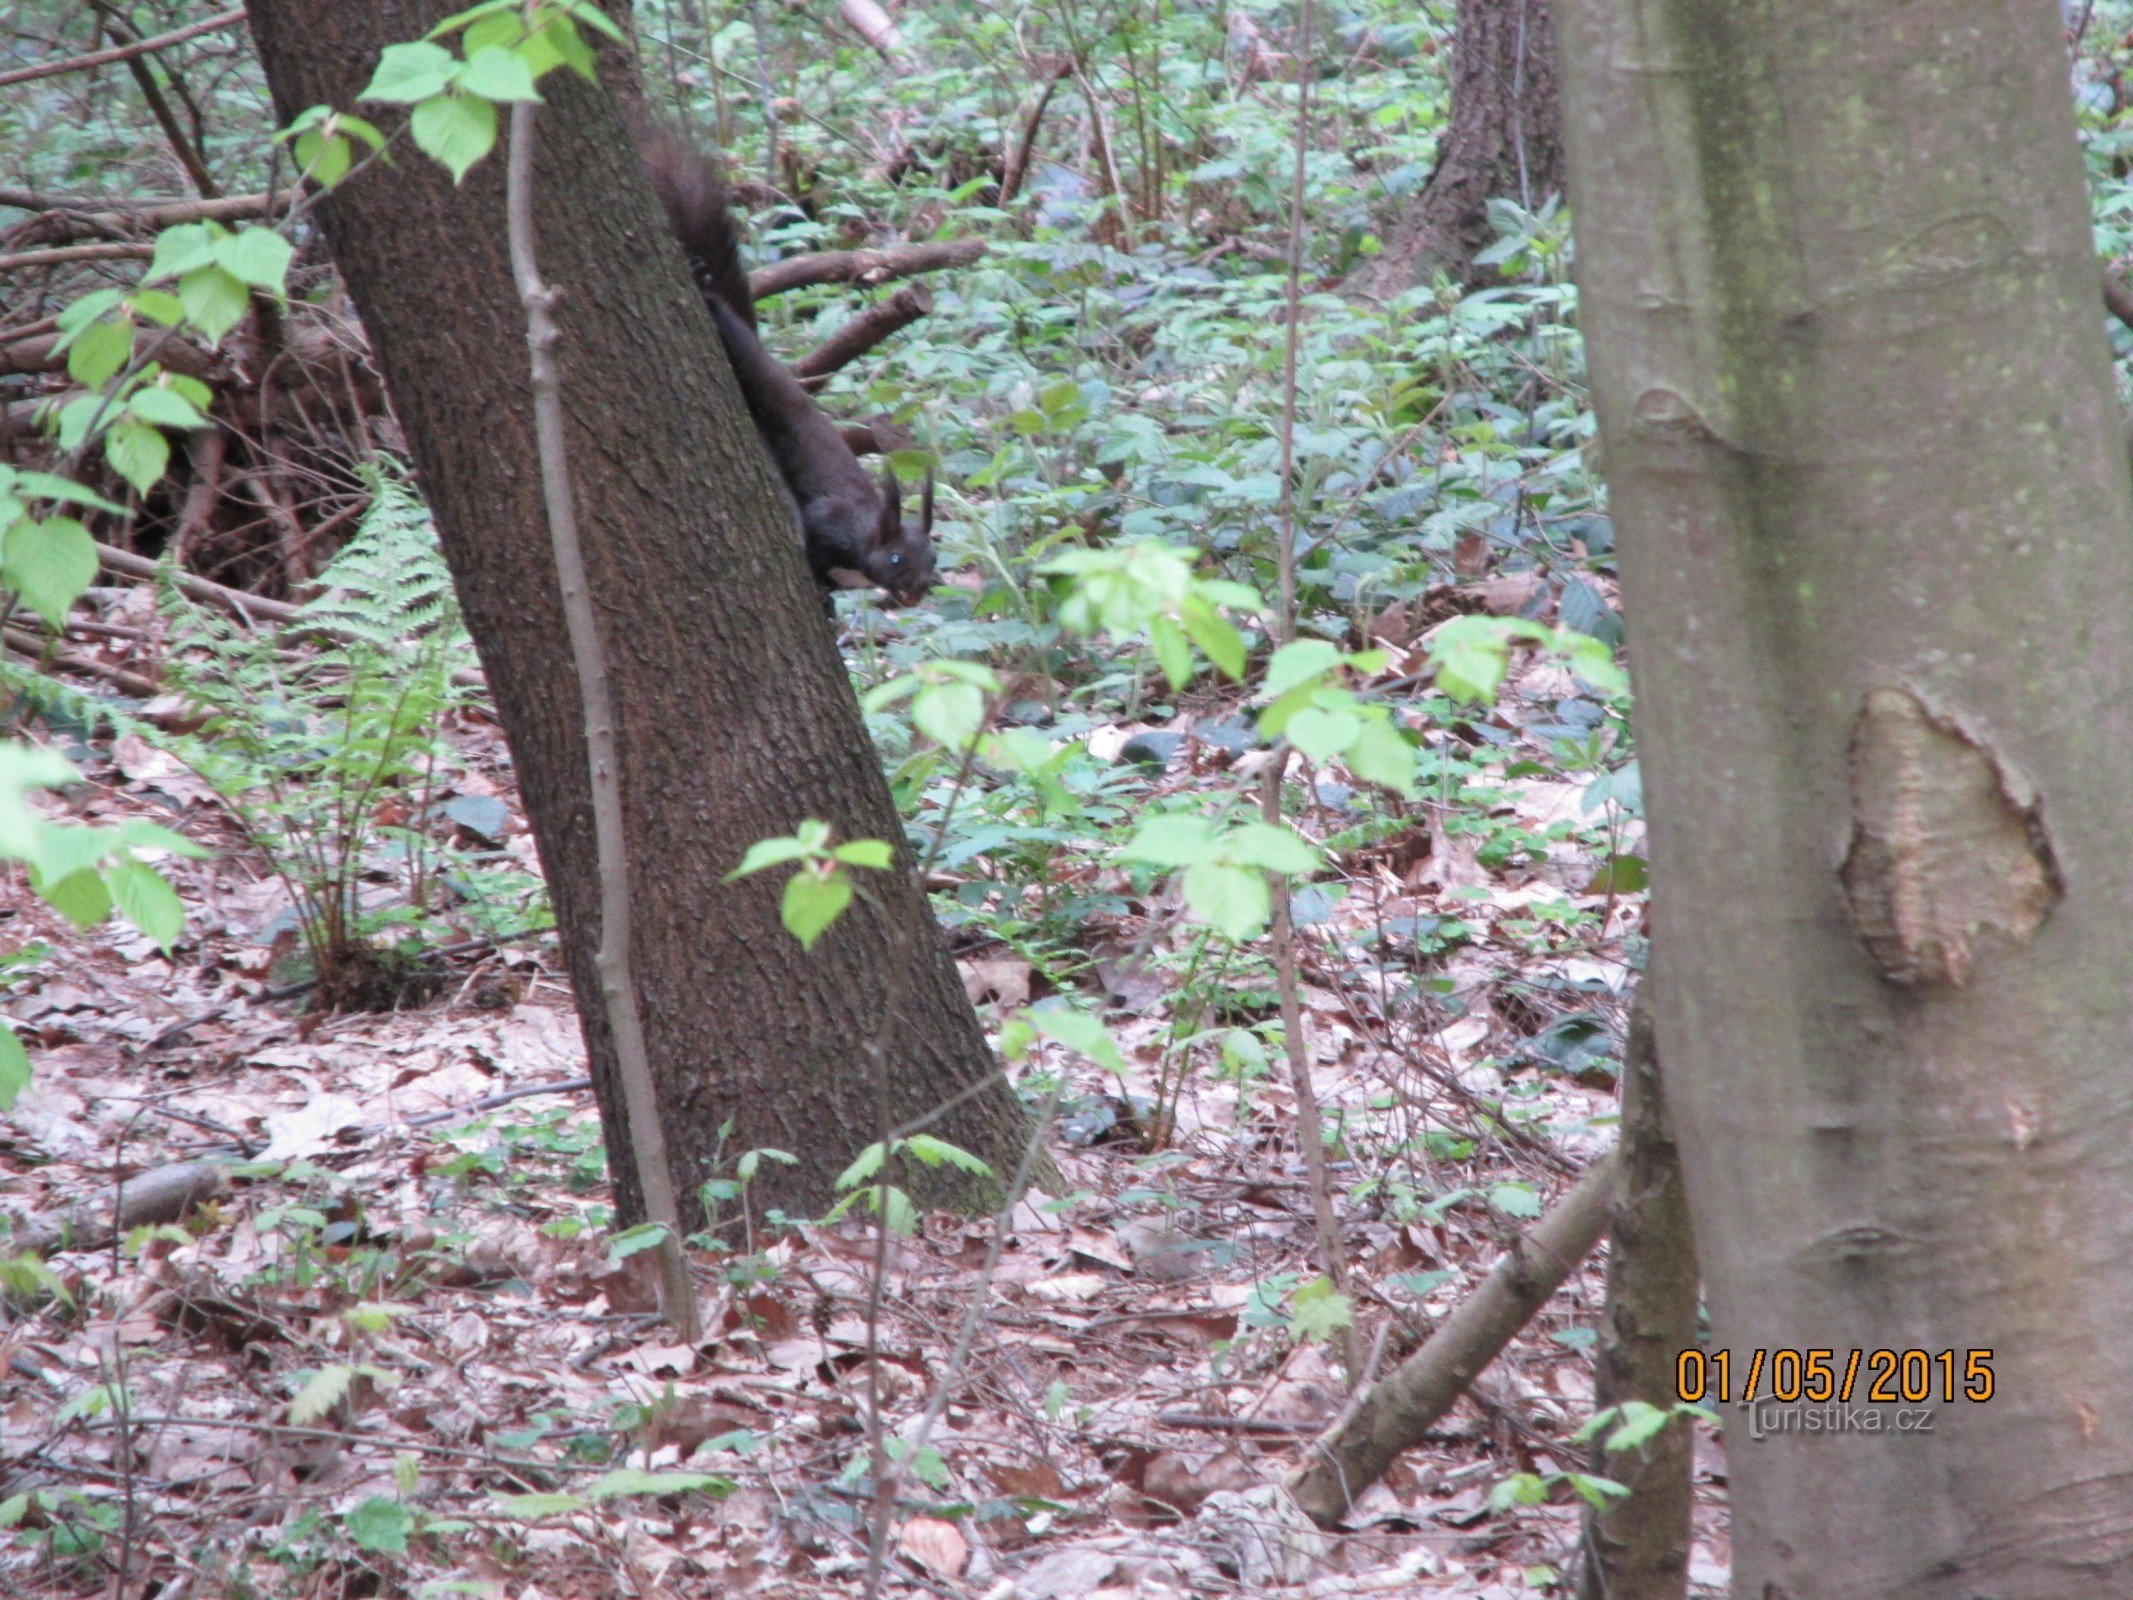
(1637, 1547)
(737, 720)
(1503, 141)
(1877, 554)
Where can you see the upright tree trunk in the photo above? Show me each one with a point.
(1637, 1547)
(737, 720)
(1877, 541)
(1503, 141)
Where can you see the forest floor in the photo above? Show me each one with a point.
(401, 1311)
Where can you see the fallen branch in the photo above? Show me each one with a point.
(862, 266)
(862, 333)
(25, 643)
(165, 1194)
(249, 608)
(65, 217)
(27, 260)
(41, 353)
(124, 52)
(1354, 1453)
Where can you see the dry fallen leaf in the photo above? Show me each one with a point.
(934, 1545)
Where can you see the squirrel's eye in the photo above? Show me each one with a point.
(896, 560)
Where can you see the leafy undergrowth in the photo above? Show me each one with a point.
(397, 1349)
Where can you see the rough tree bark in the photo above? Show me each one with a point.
(1637, 1548)
(737, 718)
(1839, 297)
(1502, 141)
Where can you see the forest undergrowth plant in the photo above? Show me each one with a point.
(326, 742)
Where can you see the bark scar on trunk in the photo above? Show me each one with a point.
(1948, 843)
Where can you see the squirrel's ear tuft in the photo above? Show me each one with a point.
(925, 506)
(889, 528)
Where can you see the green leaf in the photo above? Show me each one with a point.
(1298, 663)
(812, 902)
(533, 1507)
(1641, 1421)
(1323, 734)
(934, 1152)
(1173, 651)
(380, 1523)
(321, 1392)
(950, 714)
(558, 44)
(185, 248)
(14, 1067)
(1319, 1310)
(1515, 1200)
(1178, 839)
(324, 158)
(137, 453)
(50, 486)
(635, 1480)
(50, 563)
(1622, 874)
(259, 257)
(497, 73)
(864, 1166)
(874, 853)
(1232, 899)
(498, 29)
(767, 853)
(630, 1241)
(408, 73)
(99, 351)
(215, 301)
(1381, 755)
(1077, 1030)
(1471, 656)
(1218, 640)
(164, 407)
(454, 130)
(90, 308)
(1262, 844)
(159, 306)
(145, 898)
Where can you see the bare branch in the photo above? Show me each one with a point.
(81, 217)
(876, 26)
(1395, 1413)
(124, 52)
(862, 266)
(28, 260)
(862, 333)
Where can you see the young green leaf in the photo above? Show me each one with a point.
(813, 901)
(454, 130)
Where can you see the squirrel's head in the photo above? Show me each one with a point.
(888, 553)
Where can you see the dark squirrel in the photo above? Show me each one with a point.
(853, 527)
